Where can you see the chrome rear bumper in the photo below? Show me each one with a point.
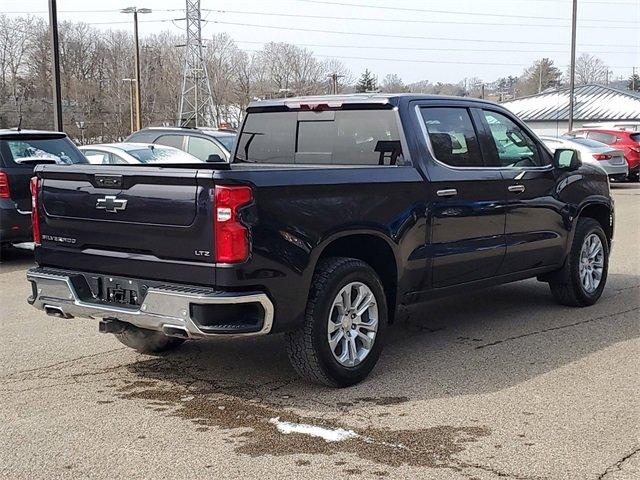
(165, 309)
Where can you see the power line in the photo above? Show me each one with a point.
(395, 20)
(424, 10)
(451, 62)
(409, 37)
(375, 47)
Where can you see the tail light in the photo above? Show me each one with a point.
(602, 156)
(4, 186)
(231, 236)
(35, 215)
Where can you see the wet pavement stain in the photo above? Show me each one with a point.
(434, 447)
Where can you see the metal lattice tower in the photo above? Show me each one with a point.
(196, 101)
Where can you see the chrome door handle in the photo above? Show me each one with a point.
(449, 192)
(516, 188)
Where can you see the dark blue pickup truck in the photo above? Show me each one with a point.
(334, 212)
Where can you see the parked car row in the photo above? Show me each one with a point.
(22, 150)
(609, 159)
(620, 138)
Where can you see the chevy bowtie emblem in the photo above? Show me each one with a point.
(111, 204)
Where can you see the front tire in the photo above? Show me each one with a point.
(147, 341)
(588, 266)
(345, 321)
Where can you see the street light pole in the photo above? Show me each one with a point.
(136, 57)
(572, 73)
(55, 66)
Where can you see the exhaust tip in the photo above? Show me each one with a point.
(54, 311)
(171, 331)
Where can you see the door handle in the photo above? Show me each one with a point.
(516, 188)
(448, 192)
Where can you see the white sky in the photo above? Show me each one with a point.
(535, 28)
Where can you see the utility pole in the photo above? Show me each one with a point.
(136, 56)
(334, 82)
(196, 100)
(131, 81)
(55, 66)
(572, 75)
(540, 77)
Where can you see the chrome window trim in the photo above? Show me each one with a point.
(425, 134)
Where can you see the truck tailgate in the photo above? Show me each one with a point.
(146, 222)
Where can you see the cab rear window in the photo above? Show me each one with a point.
(332, 137)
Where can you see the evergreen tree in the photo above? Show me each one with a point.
(367, 82)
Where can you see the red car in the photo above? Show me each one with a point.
(626, 140)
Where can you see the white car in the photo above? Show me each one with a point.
(134, 153)
(594, 153)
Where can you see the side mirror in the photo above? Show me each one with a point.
(214, 157)
(566, 159)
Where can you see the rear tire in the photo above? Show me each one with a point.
(342, 336)
(579, 291)
(147, 341)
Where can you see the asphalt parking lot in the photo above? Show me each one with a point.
(501, 383)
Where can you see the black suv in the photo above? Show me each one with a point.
(20, 152)
(206, 144)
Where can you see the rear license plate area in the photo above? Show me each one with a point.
(121, 291)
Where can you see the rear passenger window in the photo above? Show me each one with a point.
(96, 157)
(513, 146)
(453, 138)
(202, 148)
(602, 137)
(170, 141)
(334, 137)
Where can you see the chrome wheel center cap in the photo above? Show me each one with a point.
(346, 323)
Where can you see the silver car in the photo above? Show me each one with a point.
(592, 152)
(134, 153)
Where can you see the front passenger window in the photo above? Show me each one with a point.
(514, 146)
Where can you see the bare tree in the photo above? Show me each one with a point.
(590, 69)
(392, 83)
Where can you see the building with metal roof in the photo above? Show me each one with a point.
(548, 112)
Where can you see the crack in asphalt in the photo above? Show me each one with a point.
(551, 329)
(618, 465)
(58, 364)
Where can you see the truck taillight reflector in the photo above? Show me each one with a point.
(4, 186)
(231, 236)
(35, 215)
